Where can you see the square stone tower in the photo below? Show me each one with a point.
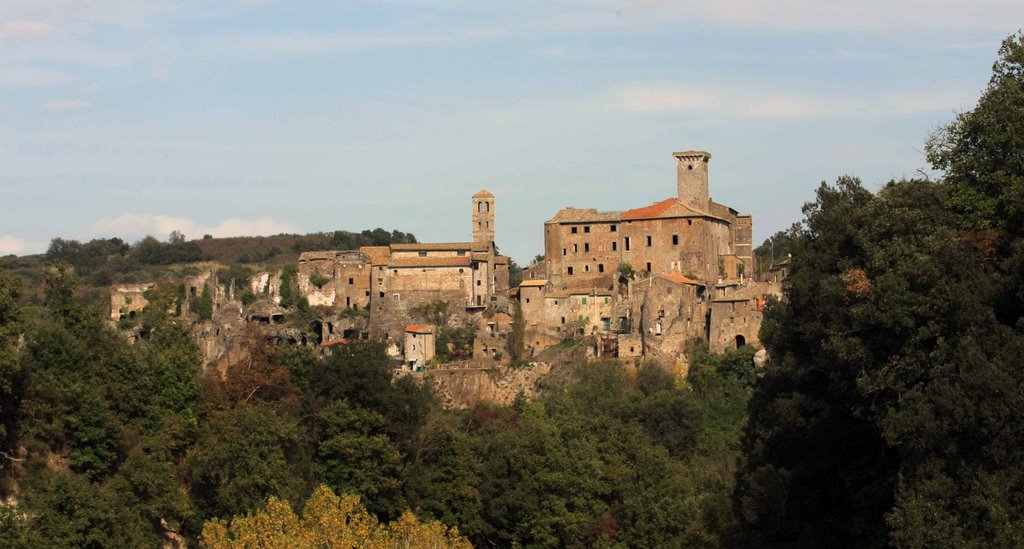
(692, 178)
(483, 217)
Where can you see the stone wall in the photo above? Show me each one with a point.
(127, 300)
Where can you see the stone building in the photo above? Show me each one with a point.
(420, 346)
(395, 283)
(643, 280)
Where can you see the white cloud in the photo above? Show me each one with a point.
(67, 105)
(306, 43)
(21, 29)
(14, 245)
(27, 77)
(753, 103)
(135, 226)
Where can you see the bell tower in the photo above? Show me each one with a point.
(692, 178)
(483, 217)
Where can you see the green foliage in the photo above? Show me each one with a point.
(242, 456)
(626, 270)
(318, 279)
(886, 334)
(455, 342)
(289, 285)
(203, 307)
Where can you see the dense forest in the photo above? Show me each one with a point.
(888, 413)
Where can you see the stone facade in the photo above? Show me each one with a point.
(642, 281)
(126, 300)
(420, 346)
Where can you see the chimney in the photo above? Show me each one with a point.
(692, 178)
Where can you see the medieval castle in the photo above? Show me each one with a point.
(639, 283)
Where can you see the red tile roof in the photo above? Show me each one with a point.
(342, 341)
(420, 328)
(647, 212)
(424, 246)
(534, 283)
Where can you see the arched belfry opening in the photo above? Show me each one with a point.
(483, 217)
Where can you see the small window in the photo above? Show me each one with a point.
(583, 301)
(462, 253)
(586, 246)
(675, 240)
(649, 240)
(586, 228)
(575, 248)
(423, 254)
(382, 295)
(613, 228)
(627, 243)
(600, 267)
(606, 301)
(563, 251)
(648, 266)
(394, 271)
(615, 245)
(462, 271)
(367, 293)
(573, 230)
(395, 296)
(563, 320)
(477, 282)
(586, 268)
(351, 281)
(689, 222)
(570, 271)
(527, 300)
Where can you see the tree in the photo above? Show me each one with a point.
(891, 383)
(10, 368)
(244, 455)
(327, 521)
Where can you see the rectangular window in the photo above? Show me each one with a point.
(573, 230)
(462, 252)
(563, 251)
(586, 268)
(613, 228)
(615, 245)
(649, 240)
(648, 266)
(586, 246)
(351, 281)
(583, 301)
(600, 267)
(477, 282)
(627, 243)
(675, 240)
(395, 296)
(586, 228)
(570, 271)
(575, 248)
(423, 254)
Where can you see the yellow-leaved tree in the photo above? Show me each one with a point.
(328, 520)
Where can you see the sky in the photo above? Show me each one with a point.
(127, 118)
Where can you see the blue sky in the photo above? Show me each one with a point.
(123, 118)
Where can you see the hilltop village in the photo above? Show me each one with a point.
(637, 284)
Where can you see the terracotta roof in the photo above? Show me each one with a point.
(378, 254)
(534, 283)
(420, 328)
(670, 207)
(584, 215)
(458, 261)
(483, 193)
(679, 278)
(423, 246)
